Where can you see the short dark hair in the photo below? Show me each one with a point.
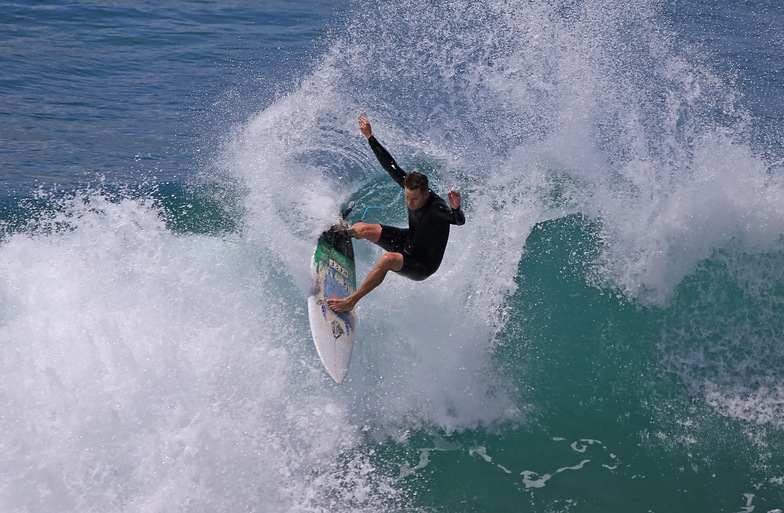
(416, 180)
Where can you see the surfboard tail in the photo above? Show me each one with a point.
(348, 211)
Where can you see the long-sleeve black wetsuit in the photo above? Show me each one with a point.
(424, 242)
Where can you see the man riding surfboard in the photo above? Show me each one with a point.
(415, 252)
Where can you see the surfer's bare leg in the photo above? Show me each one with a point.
(388, 262)
(367, 231)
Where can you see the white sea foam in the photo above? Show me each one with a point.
(149, 371)
(423, 347)
(537, 111)
(592, 108)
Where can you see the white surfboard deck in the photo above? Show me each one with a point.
(334, 275)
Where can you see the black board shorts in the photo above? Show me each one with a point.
(396, 239)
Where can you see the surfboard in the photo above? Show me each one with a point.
(334, 275)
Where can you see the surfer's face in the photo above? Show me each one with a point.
(415, 199)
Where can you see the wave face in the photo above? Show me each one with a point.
(604, 332)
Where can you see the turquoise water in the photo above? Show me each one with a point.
(605, 334)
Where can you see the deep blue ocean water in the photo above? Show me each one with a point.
(606, 333)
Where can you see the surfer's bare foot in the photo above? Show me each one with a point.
(345, 304)
(346, 230)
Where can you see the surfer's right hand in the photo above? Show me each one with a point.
(364, 126)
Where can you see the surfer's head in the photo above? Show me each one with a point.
(416, 189)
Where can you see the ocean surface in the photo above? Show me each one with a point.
(606, 333)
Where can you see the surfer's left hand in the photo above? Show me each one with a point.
(454, 199)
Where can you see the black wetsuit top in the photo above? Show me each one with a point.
(424, 242)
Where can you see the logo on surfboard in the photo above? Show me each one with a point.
(339, 268)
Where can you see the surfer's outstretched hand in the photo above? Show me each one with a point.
(341, 304)
(364, 126)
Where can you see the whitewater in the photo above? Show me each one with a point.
(604, 333)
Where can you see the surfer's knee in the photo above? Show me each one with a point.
(391, 261)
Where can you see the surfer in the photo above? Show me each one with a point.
(416, 252)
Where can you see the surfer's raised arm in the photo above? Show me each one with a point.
(383, 156)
